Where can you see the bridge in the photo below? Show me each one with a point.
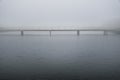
(105, 31)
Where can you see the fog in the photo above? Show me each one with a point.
(60, 13)
(30, 55)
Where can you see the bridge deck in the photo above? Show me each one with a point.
(51, 30)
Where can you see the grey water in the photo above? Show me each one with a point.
(60, 57)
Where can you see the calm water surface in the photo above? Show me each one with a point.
(60, 57)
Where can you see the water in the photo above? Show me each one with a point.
(60, 57)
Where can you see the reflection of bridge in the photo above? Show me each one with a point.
(51, 30)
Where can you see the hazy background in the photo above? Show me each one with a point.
(60, 13)
(55, 57)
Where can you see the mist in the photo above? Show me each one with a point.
(48, 53)
(60, 13)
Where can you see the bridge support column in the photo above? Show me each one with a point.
(105, 32)
(78, 32)
(22, 33)
(50, 33)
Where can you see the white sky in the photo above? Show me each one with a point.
(80, 13)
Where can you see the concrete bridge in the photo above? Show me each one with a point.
(105, 31)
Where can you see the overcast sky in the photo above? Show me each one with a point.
(80, 13)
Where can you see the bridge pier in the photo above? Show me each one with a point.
(105, 32)
(78, 32)
(50, 32)
(22, 33)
